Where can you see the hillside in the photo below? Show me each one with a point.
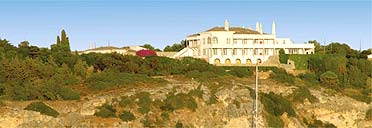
(41, 87)
(232, 107)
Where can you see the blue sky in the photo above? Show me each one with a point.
(162, 23)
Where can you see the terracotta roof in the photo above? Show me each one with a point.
(238, 30)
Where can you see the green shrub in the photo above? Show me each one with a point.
(369, 114)
(144, 102)
(330, 79)
(112, 79)
(126, 101)
(106, 111)
(179, 101)
(236, 103)
(301, 94)
(310, 78)
(69, 94)
(282, 76)
(127, 116)
(276, 105)
(240, 71)
(360, 97)
(283, 58)
(165, 115)
(320, 124)
(196, 92)
(42, 108)
(274, 121)
(179, 125)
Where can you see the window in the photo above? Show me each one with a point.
(214, 51)
(224, 51)
(209, 40)
(245, 41)
(204, 52)
(235, 41)
(214, 40)
(228, 40)
(203, 40)
(234, 51)
(243, 51)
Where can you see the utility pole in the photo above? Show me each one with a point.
(255, 106)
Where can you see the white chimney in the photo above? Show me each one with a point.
(226, 24)
(261, 29)
(273, 30)
(257, 27)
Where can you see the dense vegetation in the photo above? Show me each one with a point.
(42, 108)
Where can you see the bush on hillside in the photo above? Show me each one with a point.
(69, 94)
(42, 108)
(310, 78)
(127, 116)
(282, 76)
(274, 121)
(283, 58)
(106, 111)
(240, 72)
(369, 114)
(179, 101)
(330, 79)
(302, 93)
(276, 105)
(112, 79)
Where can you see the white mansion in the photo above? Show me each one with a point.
(239, 46)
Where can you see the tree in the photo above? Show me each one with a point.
(175, 47)
(283, 58)
(318, 48)
(330, 79)
(80, 68)
(148, 46)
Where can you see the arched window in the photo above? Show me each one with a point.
(209, 40)
(217, 61)
(214, 40)
(259, 61)
(248, 61)
(227, 61)
(238, 61)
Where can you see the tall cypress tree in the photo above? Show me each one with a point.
(58, 41)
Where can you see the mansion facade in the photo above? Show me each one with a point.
(239, 46)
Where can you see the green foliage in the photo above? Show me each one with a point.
(320, 124)
(282, 76)
(106, 111)
(165, 115)
(126, 101)
(240, 71)
(144, 102)
(283, 58)
(179, 125)
(68, 94)
(196, 92)
(175, 47)
(127, 116)
(42, 108)
(310, 78)
(179, 101)
(112, 79)
(330, 79)
(276, 105)
(274, 121)
(301, 94)
(369, 114)
(360, 97)
(236, 103)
